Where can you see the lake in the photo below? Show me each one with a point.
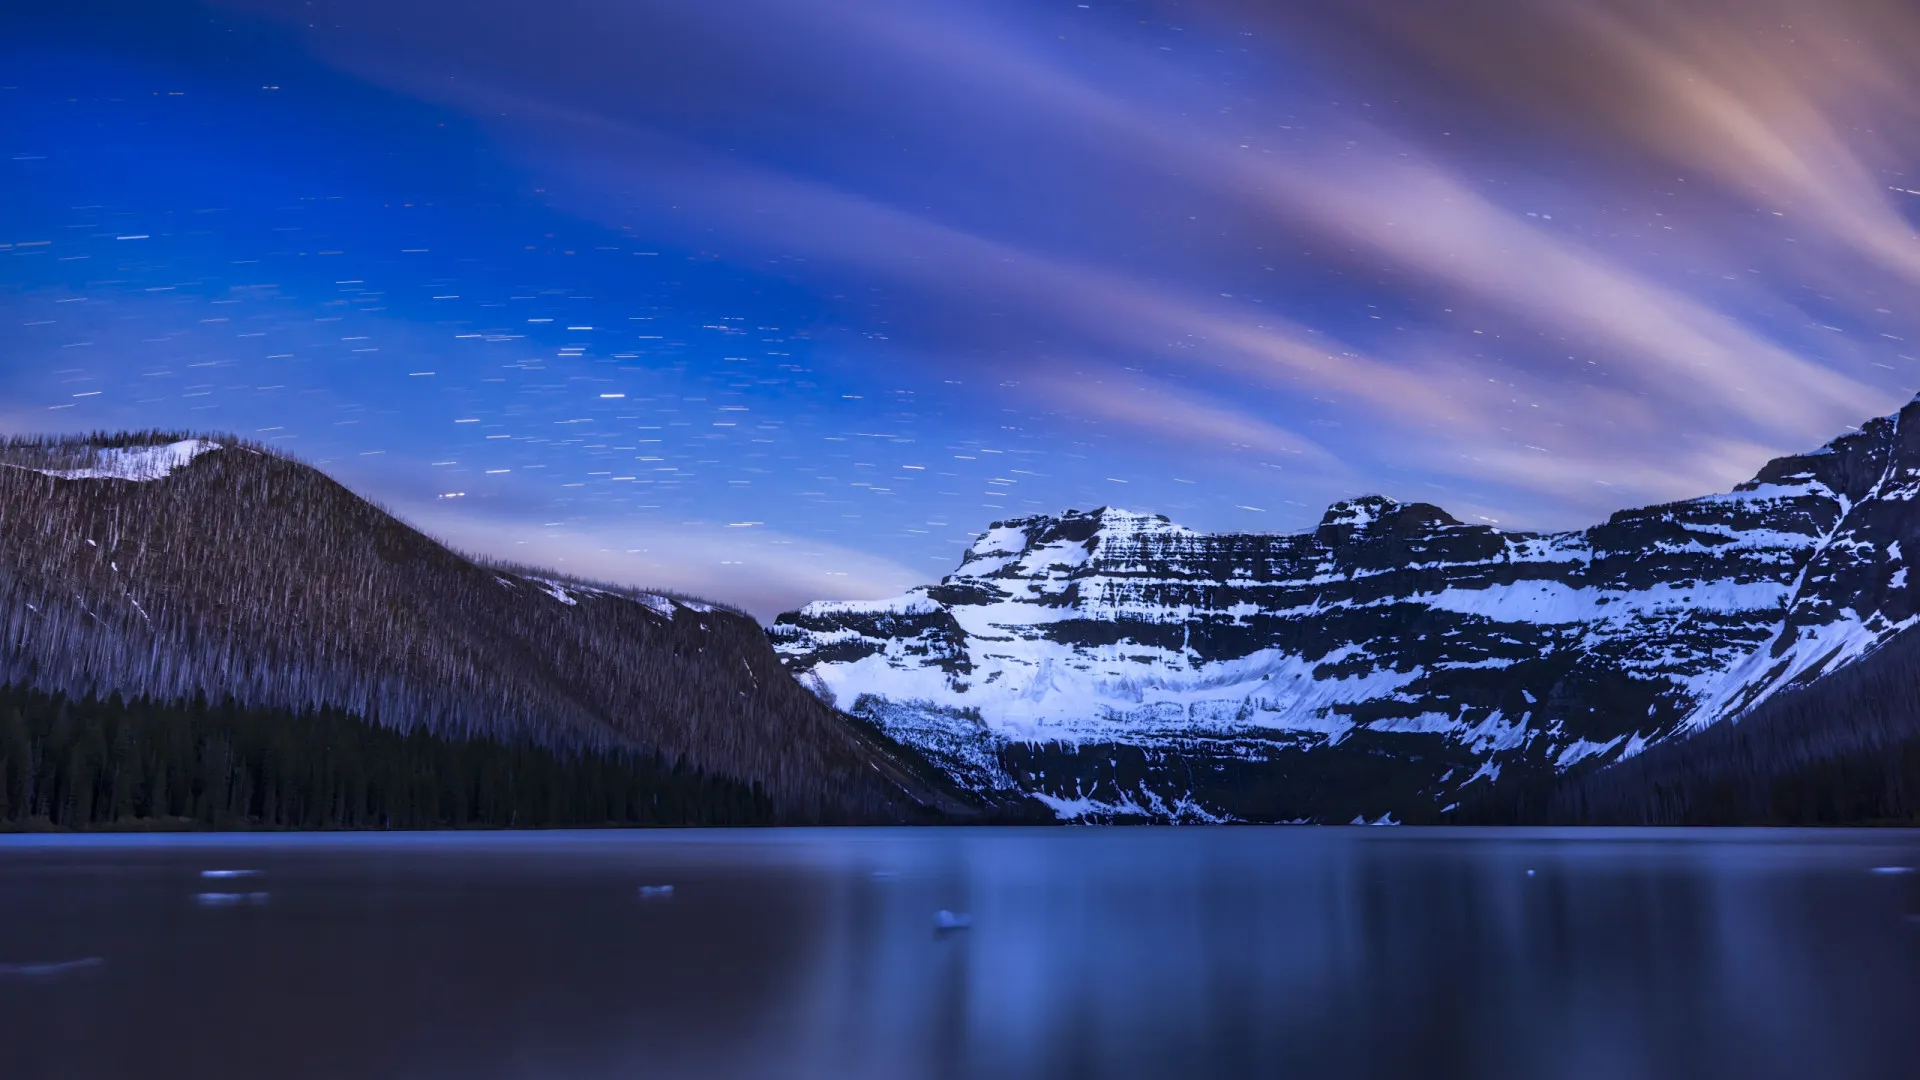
(1066, 953)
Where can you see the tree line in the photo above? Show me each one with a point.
(247, 573)
(1844, 750)
(91, 763)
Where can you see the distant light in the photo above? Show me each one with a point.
(417, 373)
(471, 420)
(613, 395)
(140, 236)
(579, 327)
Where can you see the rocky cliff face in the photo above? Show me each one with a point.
(1117, 665)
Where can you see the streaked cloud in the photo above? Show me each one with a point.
(1536, 258)
(759, 570)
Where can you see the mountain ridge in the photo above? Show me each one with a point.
(1117, 665)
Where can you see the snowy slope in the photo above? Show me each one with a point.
(1113, 663)
(135, 463)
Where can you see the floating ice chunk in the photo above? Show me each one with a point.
(1891, 870)
(229, 899)
(1529, 873)
(655, 892)
(952, 920)
(228, 873)
(58, 967)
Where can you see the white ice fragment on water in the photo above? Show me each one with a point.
(1529, 873)
(1891, 870)
(137, 463)
(57, 967)
(952, 920)
(229, 899)
(228, 873)
(656, 892)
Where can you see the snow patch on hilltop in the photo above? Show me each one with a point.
(135, 463)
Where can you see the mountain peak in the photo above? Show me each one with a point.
(1015, 535)
(1377, 515)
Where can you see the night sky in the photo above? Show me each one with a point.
(773, 301)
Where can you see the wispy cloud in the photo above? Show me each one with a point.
(762, 571)
(1432, 323)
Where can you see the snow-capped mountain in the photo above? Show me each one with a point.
(1114, 664)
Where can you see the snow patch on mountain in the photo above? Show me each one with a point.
(135, 463)
(1392, 646)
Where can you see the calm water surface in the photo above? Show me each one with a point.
(1091, 953)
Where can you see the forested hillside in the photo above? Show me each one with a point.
(91, 764)
(1844, 750)
(155, 566)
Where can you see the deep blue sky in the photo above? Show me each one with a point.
(776, 301)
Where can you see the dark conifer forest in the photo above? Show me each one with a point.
(82, 764)
(245, 574)
(1842, 751)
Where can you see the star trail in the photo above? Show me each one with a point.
(776, 302)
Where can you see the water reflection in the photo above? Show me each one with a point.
(1084, 953)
